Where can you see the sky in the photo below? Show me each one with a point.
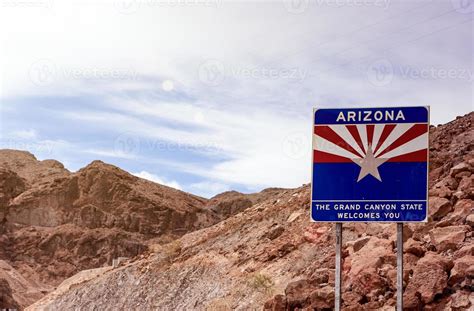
(214, 95)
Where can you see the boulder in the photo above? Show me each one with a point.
(350, 298)
(314, 232)
(6, 297)
(298, 294)
(470, 220)
(461, 167)
(462, 209)
(430, 277)
(277, 303)
(274, 232)
(321, 276)
(322, 298)
(464, 251)
(363, 276)
(448, 237)
(413, 247)
(463, 268)
(356, 245)
(462, 300)
(438, 208)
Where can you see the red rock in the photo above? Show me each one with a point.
(298, 294)
(462, 209)
(321, 276)
(463, 268)
(448, 237)
(356, 245)
(229, 203)
(6, 297)
(274, 232)
(413, 247)
(277, 303)
(470, 220)
(462, 300)
(461, 167)
(351, 298)
(464, 251)
(430, 277)
(444, 188)
(322, 298)
(313, 233)
(363, 276)
(466, 185)
(438, 208)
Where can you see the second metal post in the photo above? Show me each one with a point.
(337, 301)
(399, 266)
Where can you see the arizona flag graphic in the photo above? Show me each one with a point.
(370, 164)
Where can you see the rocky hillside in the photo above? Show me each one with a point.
(54, 223)
(270, 256)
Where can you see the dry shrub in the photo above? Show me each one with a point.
(262, 282)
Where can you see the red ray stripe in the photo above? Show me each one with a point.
(387, 129)
(370, 134)
(324, 157)
(327, 133)
(355, 133)
(412, 133)
(415, 156)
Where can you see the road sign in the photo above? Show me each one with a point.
(370, 165)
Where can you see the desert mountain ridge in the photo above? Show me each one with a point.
(101, 238)
(56, 223)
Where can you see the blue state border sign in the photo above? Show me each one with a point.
(370, 164)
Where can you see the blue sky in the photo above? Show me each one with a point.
(213, 95)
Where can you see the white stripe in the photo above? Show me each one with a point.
(324, 145)
(342, 131)
(394, 135)
(362, 128)
(419, 143)
(378, 128)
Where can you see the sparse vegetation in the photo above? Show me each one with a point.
(169, 250)
(219, 304)
(262, 282)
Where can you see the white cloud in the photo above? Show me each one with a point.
(157, 179)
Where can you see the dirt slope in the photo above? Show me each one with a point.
(270, 256)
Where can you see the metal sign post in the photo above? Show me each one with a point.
(399, 266)
(338, 266)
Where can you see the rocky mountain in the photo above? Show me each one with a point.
(269, 256)
(54, 223)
